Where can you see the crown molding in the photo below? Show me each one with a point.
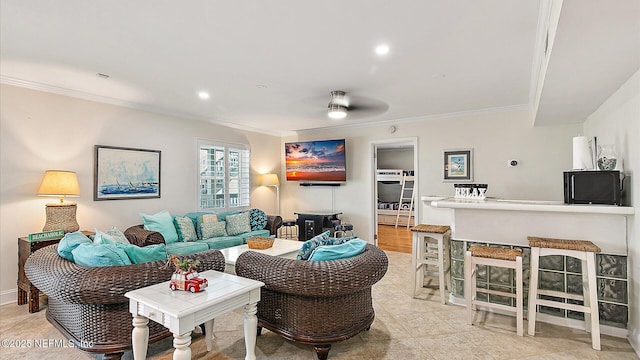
(117, 102)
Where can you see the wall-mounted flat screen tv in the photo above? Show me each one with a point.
(322, 160)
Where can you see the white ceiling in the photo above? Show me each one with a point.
(270, 65)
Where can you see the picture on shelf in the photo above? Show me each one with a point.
(458, 165)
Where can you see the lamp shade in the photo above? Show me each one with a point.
(270, 180)
(59, 183)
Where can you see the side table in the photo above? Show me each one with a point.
(27, 293)
(182, 311)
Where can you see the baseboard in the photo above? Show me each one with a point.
(634, 340)
(9, 296)
(550, 319)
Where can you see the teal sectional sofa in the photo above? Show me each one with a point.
(194, 231)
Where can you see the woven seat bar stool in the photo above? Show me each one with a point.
(585, 251)
(493, 256)
(430, 247)
(289, 230)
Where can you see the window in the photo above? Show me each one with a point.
(223, 175)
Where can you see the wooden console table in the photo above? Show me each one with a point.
(27, 293)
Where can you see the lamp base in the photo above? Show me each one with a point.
(61, 217)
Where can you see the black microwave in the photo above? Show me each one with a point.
(592, 187)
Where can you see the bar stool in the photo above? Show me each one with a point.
(342, 230)
(430, 248)
(493, 256)
(287, 229)
(585, 251)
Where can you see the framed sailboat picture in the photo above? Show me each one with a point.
(126, 173)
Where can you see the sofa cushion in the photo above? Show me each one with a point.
(223, 215)
(336, 252)
(223, 242)
(69, 242)
(185, 228)
(257, 219)
(144, 254)
(117, 235)
(213, 229)
(161, 222)
(197, 218)
(238, 223)
(255, 233)
(308, 246)
(113, 237)
(95, 255)
(185, 248)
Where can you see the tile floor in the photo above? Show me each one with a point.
(404, 328)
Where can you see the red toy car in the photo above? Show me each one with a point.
(188, 281)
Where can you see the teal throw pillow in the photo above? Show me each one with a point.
(69, 242)
(257, 219)
(214, 229)
(144, 254)
(237, 224)
(96, 255)
(185, 228)
(311, 244)
(161, 222)
(336, 252)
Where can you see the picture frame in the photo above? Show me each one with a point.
(122, 173)
(458, 165)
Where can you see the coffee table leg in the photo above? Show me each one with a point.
(208, 338)
(250, 330)
(181, 344)
(140, 337)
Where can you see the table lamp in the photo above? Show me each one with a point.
(272, 180)
(61, 215)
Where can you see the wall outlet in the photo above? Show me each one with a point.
(512, 163)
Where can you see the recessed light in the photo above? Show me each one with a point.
(382, 49)
(203, 95)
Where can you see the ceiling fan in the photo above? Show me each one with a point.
(340, 105)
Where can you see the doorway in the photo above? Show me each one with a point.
(394, 192)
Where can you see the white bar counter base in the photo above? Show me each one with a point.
(509, 222)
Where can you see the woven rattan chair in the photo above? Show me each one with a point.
(87, 305)
(315, 302)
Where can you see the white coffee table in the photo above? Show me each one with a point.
(182, 311)
(281, 247)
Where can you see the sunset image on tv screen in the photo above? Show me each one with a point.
(316, 160)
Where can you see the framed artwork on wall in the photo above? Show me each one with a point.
(126, 173)
(458, 165)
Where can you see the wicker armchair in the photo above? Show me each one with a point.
(88, 306)
(299, 296)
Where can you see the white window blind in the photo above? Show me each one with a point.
(223, 175)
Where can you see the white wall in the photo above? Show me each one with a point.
(543, 153)
(617, 121)
(40, 131)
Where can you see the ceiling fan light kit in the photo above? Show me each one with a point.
(338, 106)
(337, 112)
